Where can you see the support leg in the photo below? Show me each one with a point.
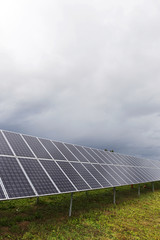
(37, 200)
(139, 190)
(70, 208)
(114, 195)
(152, 186)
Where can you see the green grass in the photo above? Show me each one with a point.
(93, 216)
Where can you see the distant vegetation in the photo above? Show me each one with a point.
(93, 217)
(108, 150)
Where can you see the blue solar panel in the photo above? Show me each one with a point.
(13, 178)
(18, 145)
(86, 175)
(75, 178)
(55, 153)
(37, 147)
(69, 156)
(38, 177)
(4, 148)
(59, 178)
(31, 166)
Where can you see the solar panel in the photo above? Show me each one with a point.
(38, 177)
(125, 171)
(95, 158)
(100, 178)
(57, 175)
(77, 153)
(31, 166)
(110, 157)
(113, 171)
(101, 156)
(94, 155)
(52, 149)
(65, 151)
(4, 148)
(121, 174)
(107, 175)
(72, 174)
(18, 144)
(13, 178)
(86, 154)
(92, 182)
(37, 147)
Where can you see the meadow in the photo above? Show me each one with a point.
(93, 216)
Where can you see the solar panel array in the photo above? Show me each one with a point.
(31, 166)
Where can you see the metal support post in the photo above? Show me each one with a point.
(152, 186)
(37, 200)
(114, 195)
(70, 208)
(139, 190)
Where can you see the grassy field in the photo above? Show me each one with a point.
(93, 216)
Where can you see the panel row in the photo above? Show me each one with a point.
(13, 144)
(24, 177)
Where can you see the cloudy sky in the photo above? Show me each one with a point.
(82, 71)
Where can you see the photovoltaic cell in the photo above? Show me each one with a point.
(106, 159)
(113, 157)
(36, 147)
(55, 153)
(65, 151)
(86, 175)
(18, 144)
(130, 161)
(13, 178)
(38, 177)
(120, 159)
(156, 163)
(114, 174)
(4, 148)
(74, 150)
(109, 157)
(106, 175)
(126, 160)
(101, 156)
(97, 175)
(121, 174)
(127, 174)
(148, 173)
(156, 173)
(145, 177)
(138, 176)
(94, 156)
(73, 175)
(58, 177)
(86, 154)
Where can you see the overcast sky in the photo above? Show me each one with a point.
(82, 71)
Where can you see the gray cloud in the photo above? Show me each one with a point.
(85, 72)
